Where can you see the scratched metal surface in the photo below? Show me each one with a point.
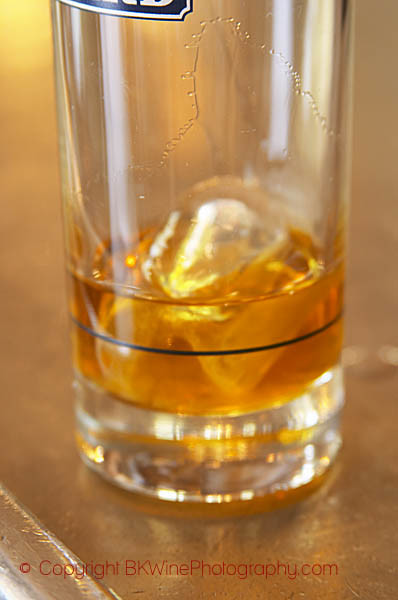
(27, 551)
(353, 519)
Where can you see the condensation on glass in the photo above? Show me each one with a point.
(205, 192)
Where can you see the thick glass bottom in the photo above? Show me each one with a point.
(211, 459)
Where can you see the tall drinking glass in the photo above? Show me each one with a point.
(204, 157)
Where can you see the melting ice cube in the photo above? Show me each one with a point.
(201, 251)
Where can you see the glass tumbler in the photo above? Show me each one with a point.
(205, 152)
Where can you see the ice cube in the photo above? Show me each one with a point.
(153, 380)
(232, 275)
(252, 325)
(203, 247)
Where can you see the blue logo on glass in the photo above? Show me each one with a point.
(170, 10)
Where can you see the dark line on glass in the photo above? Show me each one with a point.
(112, 340)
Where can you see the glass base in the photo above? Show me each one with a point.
(211, 458)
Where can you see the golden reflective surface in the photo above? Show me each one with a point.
(352, 519)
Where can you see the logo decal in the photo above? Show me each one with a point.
(169, 10)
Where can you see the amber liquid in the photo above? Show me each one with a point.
(255, 337)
